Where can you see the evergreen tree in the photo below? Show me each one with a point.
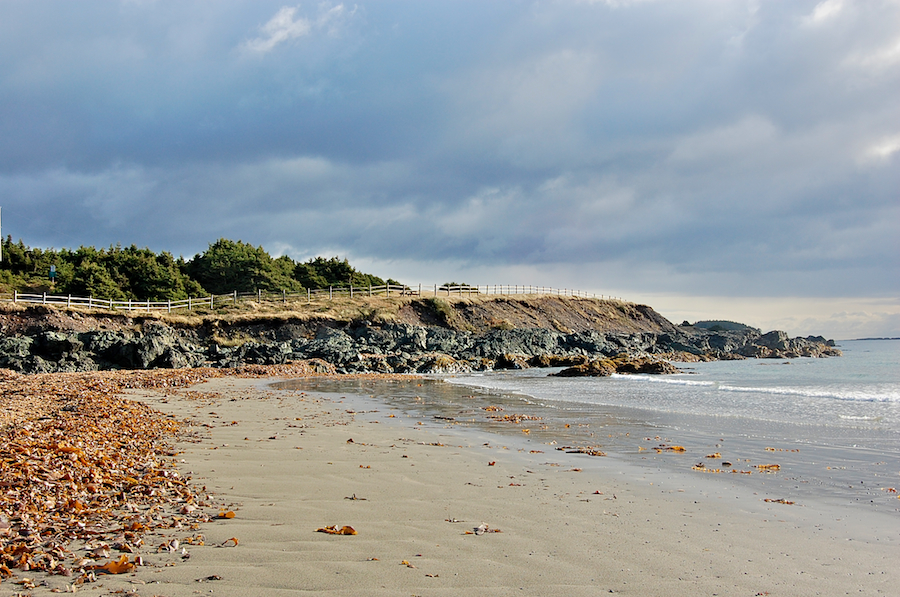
(140, 274)
(228, 265)
(322, 273)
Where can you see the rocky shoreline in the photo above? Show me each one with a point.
(384, 347)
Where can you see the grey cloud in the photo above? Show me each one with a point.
(692, 145)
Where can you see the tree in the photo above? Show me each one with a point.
(322, 273)
(228, 265)
(92, 279)
(140, 274)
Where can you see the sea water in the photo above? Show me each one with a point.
(832, 425)
(859, 391)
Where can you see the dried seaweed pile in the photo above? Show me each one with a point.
(83, 469)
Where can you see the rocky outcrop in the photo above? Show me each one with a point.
(392, 347)
(622, 363)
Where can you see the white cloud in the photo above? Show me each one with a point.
(825, 11)
(883, 149)
(332, 17)
(280, 28)
(287, 25)
(878, 60)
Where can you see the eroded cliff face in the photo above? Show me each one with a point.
(423, 335)
(477, 315)
(563, 314)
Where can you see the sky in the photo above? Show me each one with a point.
(716, 159)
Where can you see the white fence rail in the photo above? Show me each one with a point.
(212, 301)
(111, 305)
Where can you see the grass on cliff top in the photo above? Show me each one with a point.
(374, 309)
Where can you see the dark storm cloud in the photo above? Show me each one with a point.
(708, 146)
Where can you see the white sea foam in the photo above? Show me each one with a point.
(859, 418)
(667, 380)
(812, 392)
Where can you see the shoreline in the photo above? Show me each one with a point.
(810, 475)
(286, 467)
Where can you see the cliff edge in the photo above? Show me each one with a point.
(400, 334)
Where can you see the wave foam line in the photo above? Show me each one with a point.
(666, 380)
(852, 396)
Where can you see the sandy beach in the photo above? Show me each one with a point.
(289, 462)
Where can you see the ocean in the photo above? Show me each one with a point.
(831, 425)
(803, 431)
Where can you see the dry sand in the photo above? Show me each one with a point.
(283, 462)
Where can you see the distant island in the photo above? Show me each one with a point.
(721, 326)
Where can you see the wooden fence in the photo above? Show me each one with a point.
(110, 305)
(221, 300)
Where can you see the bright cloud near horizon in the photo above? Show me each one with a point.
(713, 158)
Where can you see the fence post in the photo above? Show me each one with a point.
(259, 296)
(331, 293)
(169, 306)
(351, 289)
(235, 298)
(212, 299)
(190, 306)
(283, 296)
(45, 298)
(69, 301)
(308, 296)
(370, 289)
(15, 296)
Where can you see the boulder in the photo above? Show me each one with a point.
(644, 365)
(620, 364)
(511, 361)
(597, 368)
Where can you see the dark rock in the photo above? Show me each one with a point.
(56, 344)
(173, 359)
(441, 363)
(391, 347)
(775, 339)
(555, 360)
(16, 347)
(644, 365)
(333, 346)
(598, 368)
(100, 342)
(511, 361)
(447, 341)
(621, 364)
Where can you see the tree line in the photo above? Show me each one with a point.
(119, 273)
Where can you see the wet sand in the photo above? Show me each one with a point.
(569, 524)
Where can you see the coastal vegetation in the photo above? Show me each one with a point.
(141, 274)
(722, 325)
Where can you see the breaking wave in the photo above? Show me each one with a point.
(854, 395)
